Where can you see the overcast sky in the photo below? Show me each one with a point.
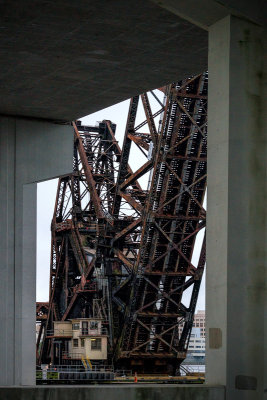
(46, 194)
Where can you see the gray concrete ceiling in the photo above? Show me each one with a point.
(61, 60)
(204, 13)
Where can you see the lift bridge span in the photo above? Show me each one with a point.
(124, 252)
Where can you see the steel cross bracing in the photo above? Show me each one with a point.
(41, 318)
(129, 248)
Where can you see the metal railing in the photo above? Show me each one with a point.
(59, 332)
(82, 332)
(93, 332)
(72, 375)
(80, 368)
(187, 369)
(123, 373)
(73, 355)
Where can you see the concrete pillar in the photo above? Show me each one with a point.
(30, 151)
(236, 226)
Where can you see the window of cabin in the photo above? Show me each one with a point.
(93, 325)
(75, 342)
(82, 342)
(85, 327)
(76, 326)
(96, 344)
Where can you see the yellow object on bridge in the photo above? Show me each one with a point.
(87, 363)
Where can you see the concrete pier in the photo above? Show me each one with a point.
(236, 219)
(29, 152)
(116, 392)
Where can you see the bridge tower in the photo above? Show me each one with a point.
(126, 245)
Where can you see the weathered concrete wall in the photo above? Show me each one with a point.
(115, 392)
(236, 223)
(30, 151)
(211, 11)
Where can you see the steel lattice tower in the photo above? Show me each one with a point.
(123, 252)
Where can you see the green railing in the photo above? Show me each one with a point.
(50, 375)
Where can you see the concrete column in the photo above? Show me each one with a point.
(30, 151)
(236, 226)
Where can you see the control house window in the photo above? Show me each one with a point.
(75, 343)
(84, 327)
(76, 326)
(96, 344)
(82, 342)
(93, 325)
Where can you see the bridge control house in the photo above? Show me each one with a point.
(78, 339)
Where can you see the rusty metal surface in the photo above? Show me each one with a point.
(134, 245)
(42, 309)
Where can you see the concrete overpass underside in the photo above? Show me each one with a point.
(63, 60)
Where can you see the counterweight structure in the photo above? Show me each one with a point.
(124, 252)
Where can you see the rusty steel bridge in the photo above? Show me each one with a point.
(123, 251)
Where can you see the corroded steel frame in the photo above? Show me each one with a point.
(141, 258)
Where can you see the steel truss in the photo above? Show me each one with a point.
(41, 319)
(129, 249)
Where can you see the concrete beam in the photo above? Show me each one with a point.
(237, 220)
(30, 151)
(208, 12)
(117, 392)
(63, 60)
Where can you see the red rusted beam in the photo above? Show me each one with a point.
(127, 230)
(124, 259)
(176, 247)
(136, 175)
(88, 173)
(165, 273)
(120, 152)
(180, 217)
(159, 336)
(186, 158)
(139, 141)
(150, 119)
(137, 206)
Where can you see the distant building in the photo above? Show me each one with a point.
(196, 346)
(199, 322)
